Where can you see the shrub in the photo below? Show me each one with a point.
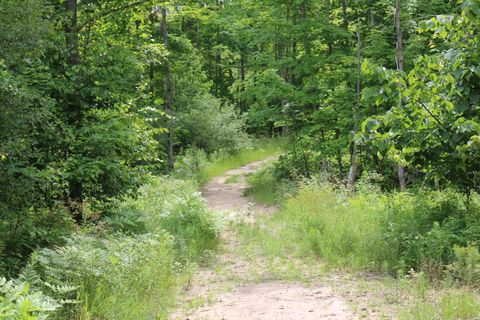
(178, 208)
(421, 230)
(19, 302)
(21, 232)
(191, 163)
(211, 125)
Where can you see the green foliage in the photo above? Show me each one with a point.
(220, 128)
(130, 265)
(390, 233)
(466, 266)
(117, 277)
(19, 302)
(265, 187)
(174, 206)
(432, 124)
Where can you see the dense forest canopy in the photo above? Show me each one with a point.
(96, 95)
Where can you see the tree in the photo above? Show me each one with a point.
(168, 85)
(436, 130)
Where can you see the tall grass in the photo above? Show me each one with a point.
(433, 234)
(132, 264)
(267, 188)
(427, 231)
(320, 222)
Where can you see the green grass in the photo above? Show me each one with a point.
(261, 150)
(266, 189)
(373, 232)
(450, 305)
(318, 223)
(135, 266)
(233, 179)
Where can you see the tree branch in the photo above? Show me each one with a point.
(432, 115)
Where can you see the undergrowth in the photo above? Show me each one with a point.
(129, 266)
(265, 187)
(433, 233)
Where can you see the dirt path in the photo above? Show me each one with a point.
(236, 287)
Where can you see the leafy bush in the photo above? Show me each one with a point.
(191, 163)
(19, 302)
(211, 125)
(36, 228)
(178, 208)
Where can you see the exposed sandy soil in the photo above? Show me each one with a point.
(236, 288)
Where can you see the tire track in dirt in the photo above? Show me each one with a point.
(228, 289)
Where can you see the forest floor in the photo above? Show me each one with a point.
(238, 284)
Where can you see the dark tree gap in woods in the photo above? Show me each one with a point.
(96, 97)
(75, 109)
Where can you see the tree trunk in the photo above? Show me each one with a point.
(356, 110)
(339, 154)
(327, 14)
(402, 175)
(344, 14)
(324, 167)
(398, 27)
(75, 184)
(72, 33)
(168, 85)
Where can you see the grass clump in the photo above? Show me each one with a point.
(175, 206)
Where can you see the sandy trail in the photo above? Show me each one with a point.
(230, 289)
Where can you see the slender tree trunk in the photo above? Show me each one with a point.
(168, 85)
(75, 184)
(306, 40)
(339, 154)
(243, 105)
(356, 110)
(327, 14)
(398, 27)
(344, 14)
(218, 72)
(402, 175)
